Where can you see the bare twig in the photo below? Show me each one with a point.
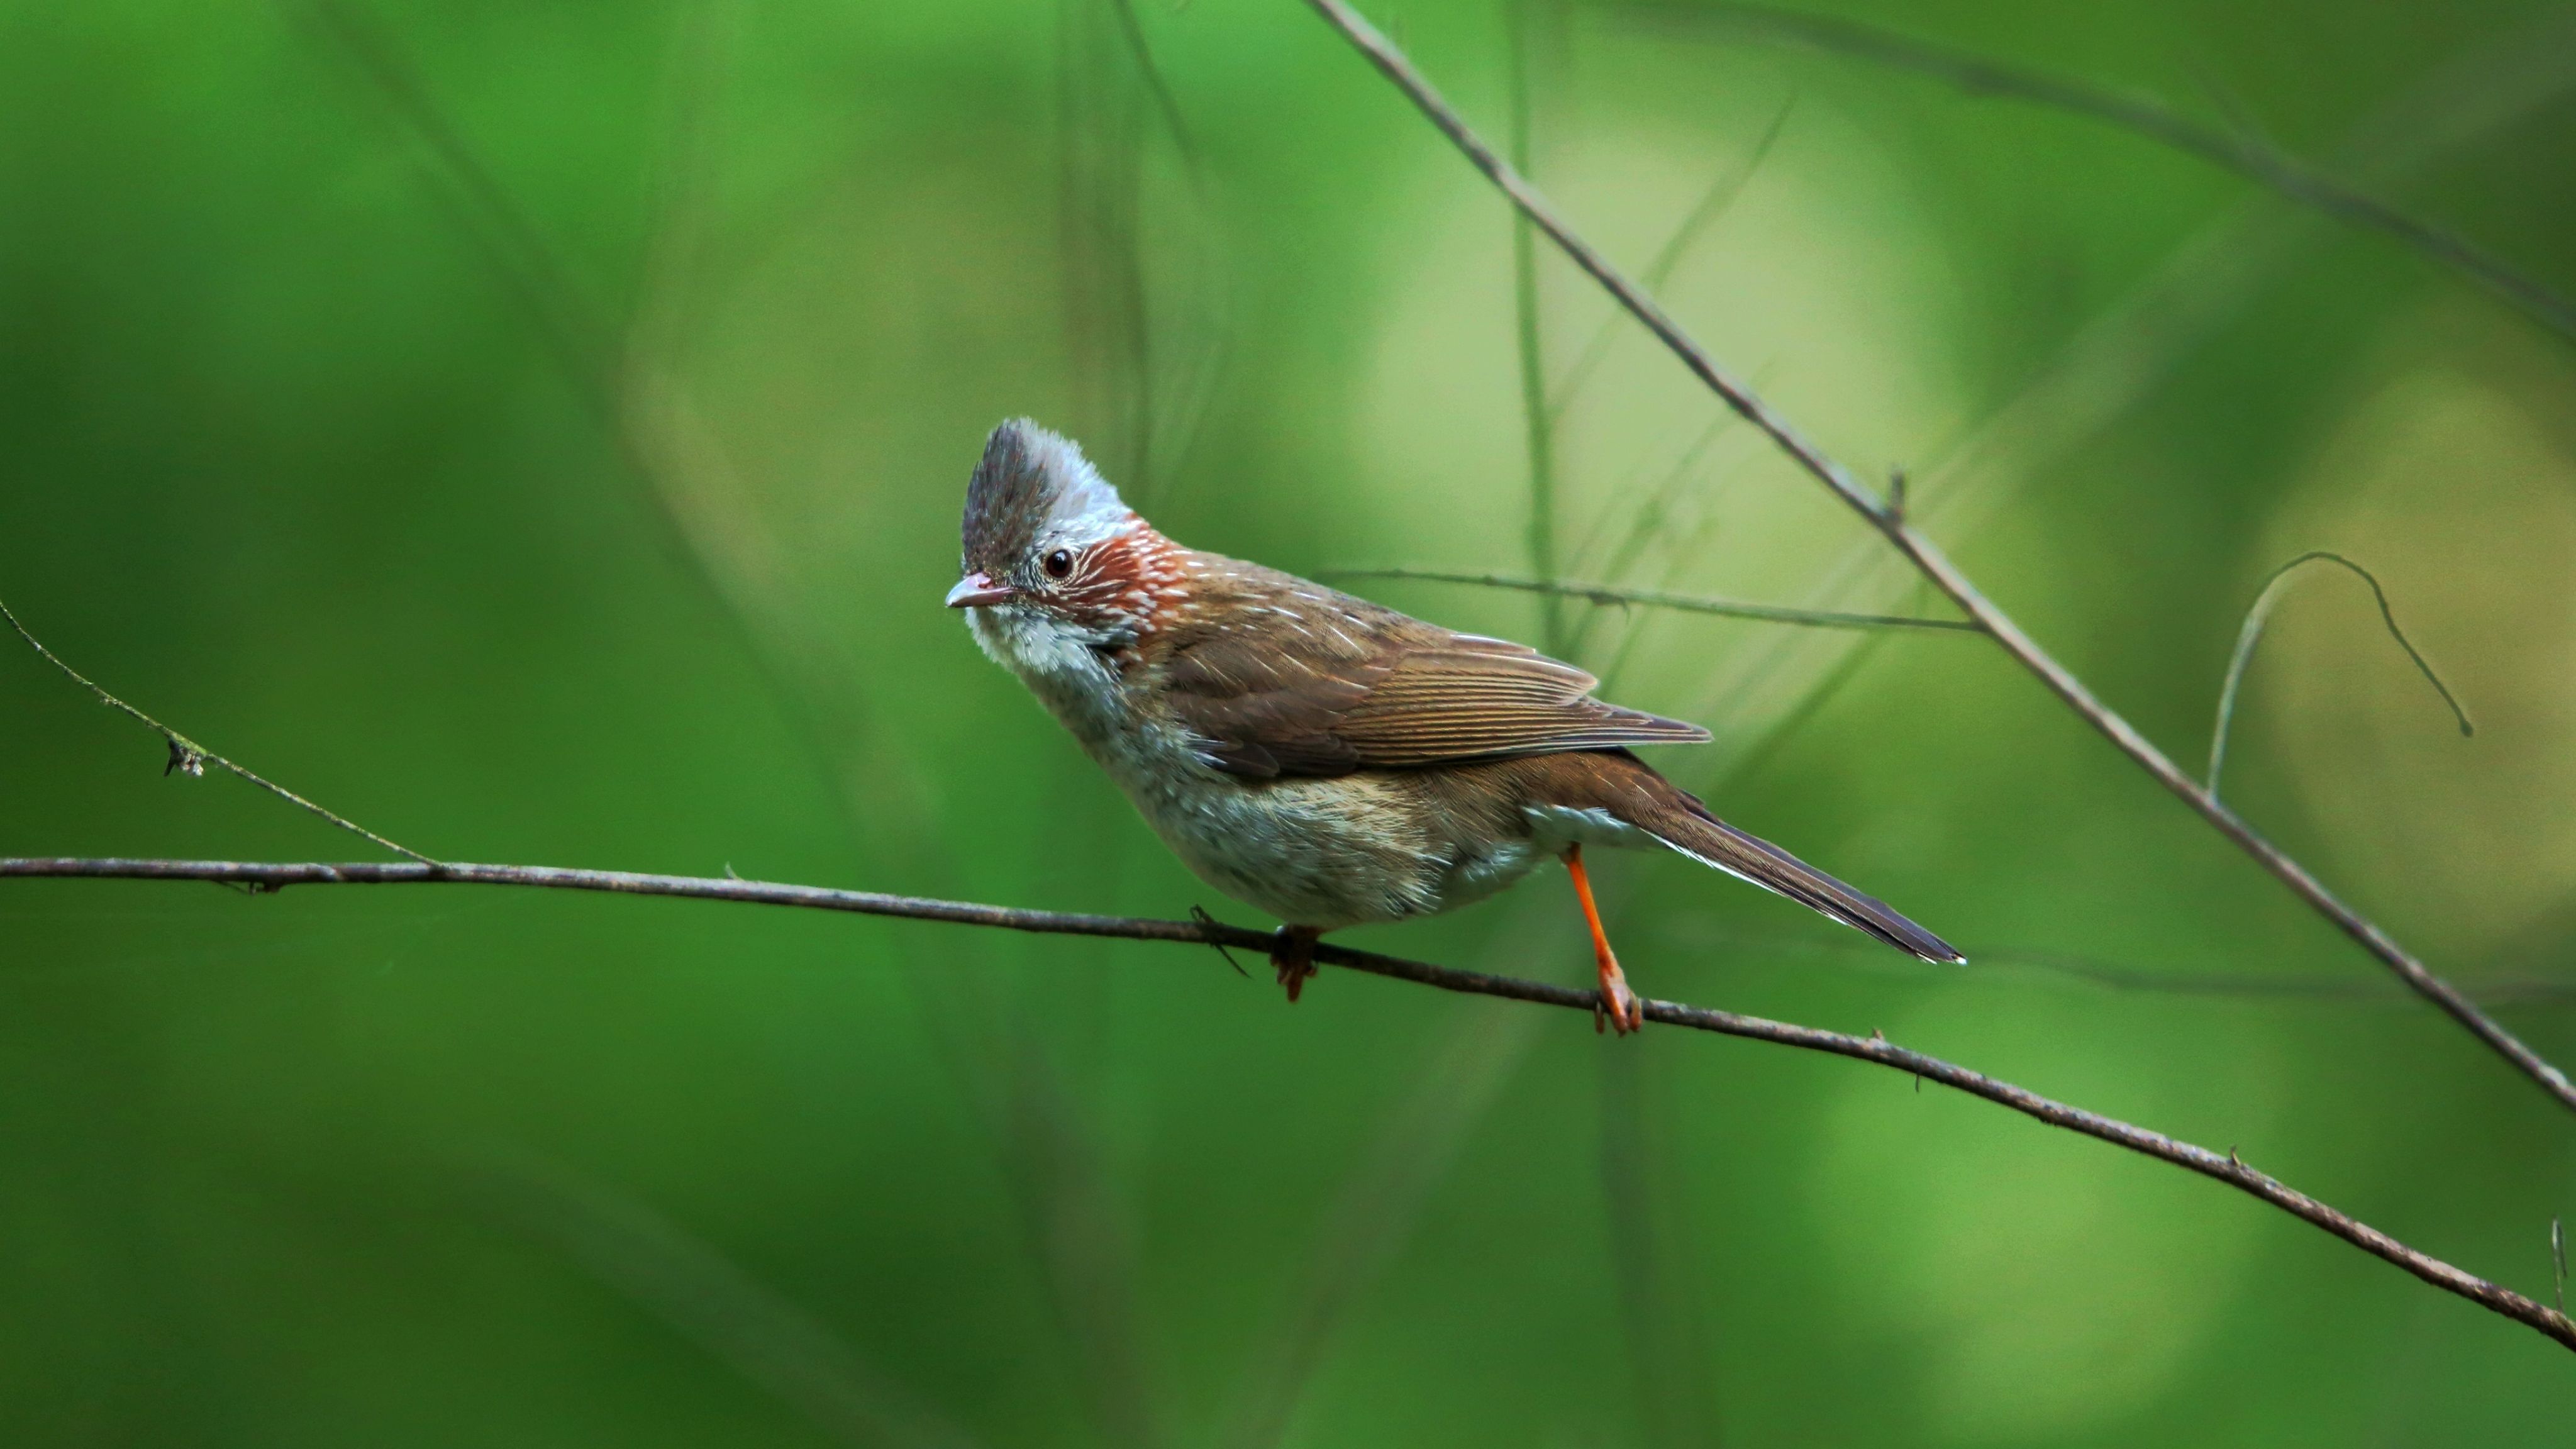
(2275, 586)
(2245, 154)
(1658, 599)
(271, 876)
(1931, 562)
(190, 758)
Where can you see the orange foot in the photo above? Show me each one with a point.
(1293, 957)
(1625, 1012)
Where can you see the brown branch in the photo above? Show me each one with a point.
(1930, 561)
(269, 877)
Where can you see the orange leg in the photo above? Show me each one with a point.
(1625, 1012)
(1293, 957)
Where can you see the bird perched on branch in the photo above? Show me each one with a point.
(1318, 756)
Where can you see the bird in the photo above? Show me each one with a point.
(1320, 757)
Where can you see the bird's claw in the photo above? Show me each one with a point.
(1293, 958)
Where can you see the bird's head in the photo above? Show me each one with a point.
(1051, 550)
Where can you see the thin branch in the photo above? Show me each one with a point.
(1928, 559)
(190, 758)
(2247, 156)
(2276, 586)
(1658, 599)
(270, 876)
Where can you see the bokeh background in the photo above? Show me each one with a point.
(537, 431)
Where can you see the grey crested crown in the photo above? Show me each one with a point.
(1028, 480)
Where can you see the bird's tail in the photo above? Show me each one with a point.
(1686, 825)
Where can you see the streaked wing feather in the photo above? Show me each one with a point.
(1356, 686)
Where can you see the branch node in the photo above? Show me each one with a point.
(185, 758)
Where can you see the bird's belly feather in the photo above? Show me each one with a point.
(1326, 853)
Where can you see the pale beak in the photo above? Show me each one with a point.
(976, 590)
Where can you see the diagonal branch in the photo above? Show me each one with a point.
(190, 758)
(1931, 562)
(268, 877)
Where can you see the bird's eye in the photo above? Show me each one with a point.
(1059, 564)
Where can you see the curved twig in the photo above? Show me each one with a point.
(1658, 599)
(268, 877)
(1928, 559)
(2275, 587)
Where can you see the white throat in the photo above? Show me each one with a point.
(1056, 661)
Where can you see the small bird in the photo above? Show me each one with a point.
(1326, 759)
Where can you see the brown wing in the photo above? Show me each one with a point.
(1296, 679)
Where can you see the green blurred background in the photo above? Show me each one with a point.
(538, 430)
